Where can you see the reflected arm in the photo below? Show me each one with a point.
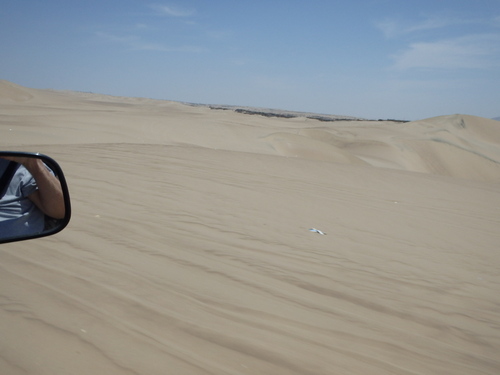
(49, 196)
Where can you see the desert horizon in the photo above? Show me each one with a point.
(190, 248)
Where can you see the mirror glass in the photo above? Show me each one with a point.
(34, 197)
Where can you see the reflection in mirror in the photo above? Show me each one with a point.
(34, 198)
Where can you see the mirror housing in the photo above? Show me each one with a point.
(26, 204)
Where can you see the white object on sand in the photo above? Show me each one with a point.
(317, 231)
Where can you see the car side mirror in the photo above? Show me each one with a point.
(34, 197)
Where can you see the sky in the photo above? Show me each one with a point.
(376, 59)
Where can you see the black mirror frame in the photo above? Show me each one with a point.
(54, 166)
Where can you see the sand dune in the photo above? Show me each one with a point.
(189, 250)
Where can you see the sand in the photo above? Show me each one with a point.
(189, 250)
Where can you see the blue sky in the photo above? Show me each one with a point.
(402, 59)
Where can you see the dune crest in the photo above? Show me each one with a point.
(454, 145)
(11, 91)
(457, 146)
(293, 145)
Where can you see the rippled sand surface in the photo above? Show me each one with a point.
(190, 250)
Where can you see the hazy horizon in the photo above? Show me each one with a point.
(371, 59)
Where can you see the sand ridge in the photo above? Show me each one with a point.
(453, 145)
(189, 250)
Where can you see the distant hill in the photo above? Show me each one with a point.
(496, 118)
